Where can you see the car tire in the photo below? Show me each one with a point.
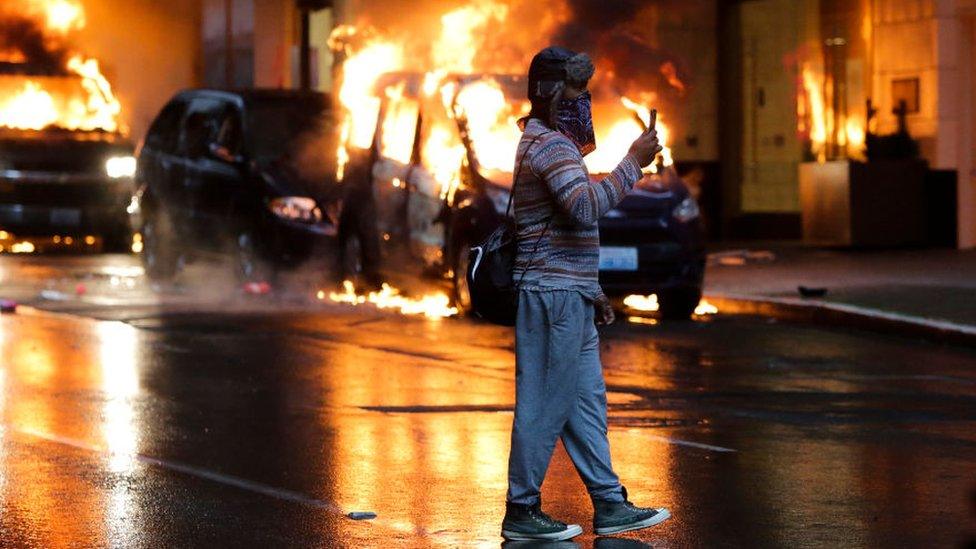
(352, 262)
(251, 266)
(679, 303)
(160, 256)
(462, 292)
(119, 239)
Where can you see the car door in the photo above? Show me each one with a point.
(160, 168)
(204, 172)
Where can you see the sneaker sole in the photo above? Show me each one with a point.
(571, 531)
(660, 517)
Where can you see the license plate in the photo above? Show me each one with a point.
(69, 217)
(615, 258)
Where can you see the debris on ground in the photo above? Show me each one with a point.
(806, 291)
(257, 288)
(8, 306)
(53, 295)
(361, 515)
(737, 258)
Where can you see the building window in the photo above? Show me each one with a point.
(905, 90)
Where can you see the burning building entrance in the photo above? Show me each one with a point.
(65, 165)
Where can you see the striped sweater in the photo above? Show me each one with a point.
(553, 184)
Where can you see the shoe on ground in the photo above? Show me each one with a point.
(615, 517)
(528, 522)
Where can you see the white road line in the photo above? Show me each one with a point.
(198, 472)
(220, 478)
(680, 442)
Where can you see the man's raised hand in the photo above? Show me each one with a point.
(646, 146)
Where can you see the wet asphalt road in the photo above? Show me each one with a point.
(208, 419)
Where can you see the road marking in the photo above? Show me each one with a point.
(229, 480)
(220, 478)
(680, 442)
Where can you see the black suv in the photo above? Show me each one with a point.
(251, 172)
(652, 242)
(58, 181)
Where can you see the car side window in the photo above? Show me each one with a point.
(229, 134)
(164, 133)
(200, 127)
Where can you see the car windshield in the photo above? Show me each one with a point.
(58, 102)
(277, 126)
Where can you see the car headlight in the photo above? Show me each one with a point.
(296, 208)
(686, 210)
(120, 166)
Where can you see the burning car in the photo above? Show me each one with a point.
(442, 172)
(65, 166)
(247, 172)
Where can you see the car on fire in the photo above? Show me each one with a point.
(63, 170)
(438, 201)
(247, 172)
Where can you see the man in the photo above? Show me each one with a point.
(560, 392)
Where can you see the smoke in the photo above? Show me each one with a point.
(622, 37)
(25, 38)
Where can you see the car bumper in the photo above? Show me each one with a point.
(660, 267)
(295, 242)
(63, 204)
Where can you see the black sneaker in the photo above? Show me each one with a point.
(614, 517)
(528, 522)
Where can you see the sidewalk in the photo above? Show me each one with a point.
(934, 290)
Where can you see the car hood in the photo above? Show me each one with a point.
(59, 151)
(282, 178)
(653, 196)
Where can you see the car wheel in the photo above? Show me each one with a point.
(119, 239)
(679, 303)
(251, 266)
(160, 256)
(462, 292)
(352, 258)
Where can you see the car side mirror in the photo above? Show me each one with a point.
(221, 152)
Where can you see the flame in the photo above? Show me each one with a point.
(452, 51)
(81, 99)
(360, 71)
(649, 304)
(465, 117)
(62, 15)
(24, 247)
(433, 306)
(646, 303)
(491, 123)
(815, 111)
(816, 118)
(705, 308)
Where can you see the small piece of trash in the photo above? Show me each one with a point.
(806, 291)
(53, 295)
(738, 258)
(257, 288)
(361, 515)
(80, 289)
(8, 306)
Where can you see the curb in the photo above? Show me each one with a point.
(816, 311)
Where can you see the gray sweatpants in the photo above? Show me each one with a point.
(559, 392)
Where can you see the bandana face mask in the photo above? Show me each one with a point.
(574, 119)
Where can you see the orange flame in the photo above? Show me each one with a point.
(82, 101)
(432, 306)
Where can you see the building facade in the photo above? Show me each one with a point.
(772, 84)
